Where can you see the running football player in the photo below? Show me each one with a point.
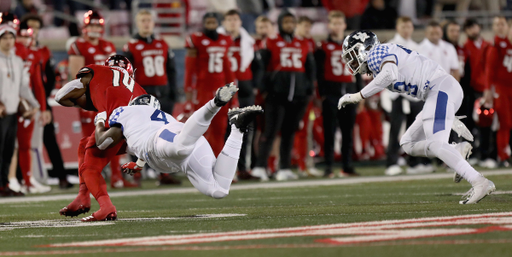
(405, 71)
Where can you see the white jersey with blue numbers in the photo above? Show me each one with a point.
(415, 71)
(139, 124)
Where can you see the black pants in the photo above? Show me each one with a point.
(53, 150)
(284, 116)
(8, 128)
(485, 136)
(396, 119)
(345, 119)
(162, 93)
(245, 98)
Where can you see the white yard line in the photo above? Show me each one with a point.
(267, 185)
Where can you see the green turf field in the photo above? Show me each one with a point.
(248, 221)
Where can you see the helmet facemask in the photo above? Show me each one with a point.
(356, 59)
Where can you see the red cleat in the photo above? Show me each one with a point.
(76, 208)
(101, 215)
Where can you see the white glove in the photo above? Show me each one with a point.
(100, 117)
(349, 99)
(461, 129)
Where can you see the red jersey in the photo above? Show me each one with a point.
(46, 56)
(149, 60)
(311, 44)
(258, 44)
(499, 63)
(211, 62)
(236, 60)
(286, 56)
(476, 52)
(93, 54)
(110, 87)
(20, 50)
(335, 69)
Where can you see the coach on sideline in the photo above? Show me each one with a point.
(13, 86)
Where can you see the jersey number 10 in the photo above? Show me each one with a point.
(128, 82)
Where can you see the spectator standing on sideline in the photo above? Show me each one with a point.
(289, 69)
(378, 16)
(155, 70)
(499, 75)
(241, 55)
(35, 22)
(13, 85)
(264, 29)
(403, 108)
(334, 81)
(477, 49)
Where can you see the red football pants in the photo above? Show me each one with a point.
(24, 135)
(503, 105)
(87, 119)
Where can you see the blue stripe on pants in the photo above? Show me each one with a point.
(440, 116)
(167, 135)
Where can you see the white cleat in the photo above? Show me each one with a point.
(260, 173)
(314, 172)
(488, 163)
(286, 174)
(14, 185)
(480, 190)
(38, 188)
(464, 149)
(393, 170)
(224, 94)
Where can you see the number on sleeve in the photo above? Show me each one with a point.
(128, 82)
(156, 117)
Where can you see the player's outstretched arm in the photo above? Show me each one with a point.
(387, 76)
(106, 138)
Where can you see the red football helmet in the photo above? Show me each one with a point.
(483, 114)
(120, 61)
(9, 19)
(93, 18)
(25, 31)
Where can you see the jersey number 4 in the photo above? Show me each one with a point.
(128, 82)
(157, 114)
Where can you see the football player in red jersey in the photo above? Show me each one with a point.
(241, 55)
(207, 61)
(91, 48)
(155, 70)
(35, 22)
(101, 89)
(335, 80)
(289, 67)
(499, 75)
(33, 62)
(264, 29)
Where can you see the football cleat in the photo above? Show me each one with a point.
(286, 174)
(91, 218)
(103, 214)
(224, 94)
(464, 149)
(480, 190)
(70, 211)
(243, 117)
(260, 173)
(393, 170)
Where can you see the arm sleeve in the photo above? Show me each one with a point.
(38, 88)
(70, 86)
(25, 91)
(171, 75)
(387, 76)
(320, 70)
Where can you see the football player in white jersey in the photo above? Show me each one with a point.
(402, 70)
(168, 146)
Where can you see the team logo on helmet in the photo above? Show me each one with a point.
(361, 36)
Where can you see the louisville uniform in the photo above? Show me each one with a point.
(212, 69)
(335, 80)
(499, 75)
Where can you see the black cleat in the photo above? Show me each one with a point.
(225, 94)
(243, 117)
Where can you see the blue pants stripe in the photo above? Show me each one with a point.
(167, 135)
(440, 115)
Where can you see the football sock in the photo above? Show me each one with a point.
(225, 167)
(24, 162)
(115, 168)
(197, 124)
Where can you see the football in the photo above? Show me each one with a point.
(24, 108)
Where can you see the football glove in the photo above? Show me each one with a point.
(461, 129)
(100, 117)
(349, 99)
(130, 168)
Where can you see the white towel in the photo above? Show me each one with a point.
(246, 47)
